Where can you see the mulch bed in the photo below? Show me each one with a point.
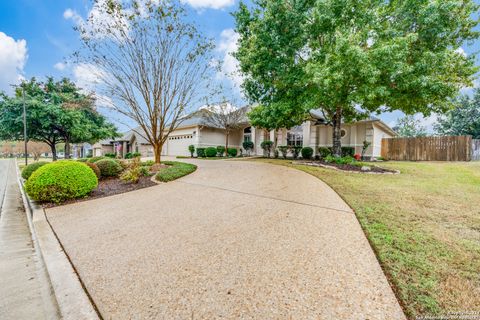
(109, 187)
(347, 167)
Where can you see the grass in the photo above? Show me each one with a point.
(175, 171)
(423, 224)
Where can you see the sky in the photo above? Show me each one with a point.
(37, 37)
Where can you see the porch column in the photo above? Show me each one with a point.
(124, 149)
(306, 133)
(253, 131)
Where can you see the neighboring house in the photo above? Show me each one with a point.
(196, 131)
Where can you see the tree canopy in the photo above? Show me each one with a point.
(350, 58)
(463, 119)
(56, 112)
(408, 126)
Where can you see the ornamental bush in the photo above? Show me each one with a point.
(307, 153)
(136, 154)
(82, 159)
(31, 168)
(348, 151)
(324, 152)
(191, 149)
(109, 168)
(284, 151)
(201, 152)
(220, 151)
(95, 169)
(60, 181)
(95, 159)
(110, 155)
(128, 155)
(211, 152)
(296, 151)
(248, 145)
(232, 152)
(266, 146)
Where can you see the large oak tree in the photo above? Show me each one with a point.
(351, 58)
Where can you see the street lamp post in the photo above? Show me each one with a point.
(25, 125)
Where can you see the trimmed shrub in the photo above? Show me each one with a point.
(31, 168)
(201, 152)
(145, 171)
(248, 145)
(61, 180)
(95, 169)
(324, 152)
(307, 153)
(191, 149)
(232, 152)
(296, 151)
(124, 164)
(348, 151)
(284, 151)
(221, 150)
(136, 154)
(95, 159)
(110, 155)
(128, 155)
(109, 168)
(175, 171)
(82, 159)
(211, 152)
(266, 146)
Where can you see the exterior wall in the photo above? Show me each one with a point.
(210, 137)
(379, 134)
(146, 150)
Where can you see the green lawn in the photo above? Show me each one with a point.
(424, 225)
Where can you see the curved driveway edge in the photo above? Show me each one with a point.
(232, 240)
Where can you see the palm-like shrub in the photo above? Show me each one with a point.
(59, 181)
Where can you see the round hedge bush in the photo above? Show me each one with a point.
(95, 159)
(232, 152)
(61, 180)
(95, 169)
(31, 168)
(109, 168)
(211, 152)
(307, 153)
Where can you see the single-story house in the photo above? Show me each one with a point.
(196, 131)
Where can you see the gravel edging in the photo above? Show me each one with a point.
(72, 299)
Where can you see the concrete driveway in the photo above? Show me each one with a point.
(234, 240)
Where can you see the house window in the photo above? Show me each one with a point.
(295, 137)
(247, 134)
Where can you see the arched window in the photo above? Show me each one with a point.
(247, 134)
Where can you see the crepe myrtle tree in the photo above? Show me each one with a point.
(351, 58)
(225, 117)
(150, 60)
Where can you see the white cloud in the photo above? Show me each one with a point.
(13, 56)
(209, 4)
(229, 65)
(87, 76)
(60, 66)
(73, 15)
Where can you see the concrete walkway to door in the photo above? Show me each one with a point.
(234, 240)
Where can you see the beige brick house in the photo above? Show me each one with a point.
(195, 131)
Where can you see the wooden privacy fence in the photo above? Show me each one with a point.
(446, 148)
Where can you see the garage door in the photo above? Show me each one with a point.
(177, 145)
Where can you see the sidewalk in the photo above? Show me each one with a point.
(24, 290)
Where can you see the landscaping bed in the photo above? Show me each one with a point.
(109, 187)
(361, 167)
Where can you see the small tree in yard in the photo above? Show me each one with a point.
(149, 59)
(408, 126)
(351, 58)
(191, 149)
(37, 148)
(226, 118)
(463, 119)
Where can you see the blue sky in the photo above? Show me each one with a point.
(37, 36)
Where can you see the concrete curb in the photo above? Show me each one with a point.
(73, 302)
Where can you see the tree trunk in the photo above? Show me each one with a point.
(226, 143)
(275, 141)
(157, 150)
(53, 147)
(337, 136)
(67, 149)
